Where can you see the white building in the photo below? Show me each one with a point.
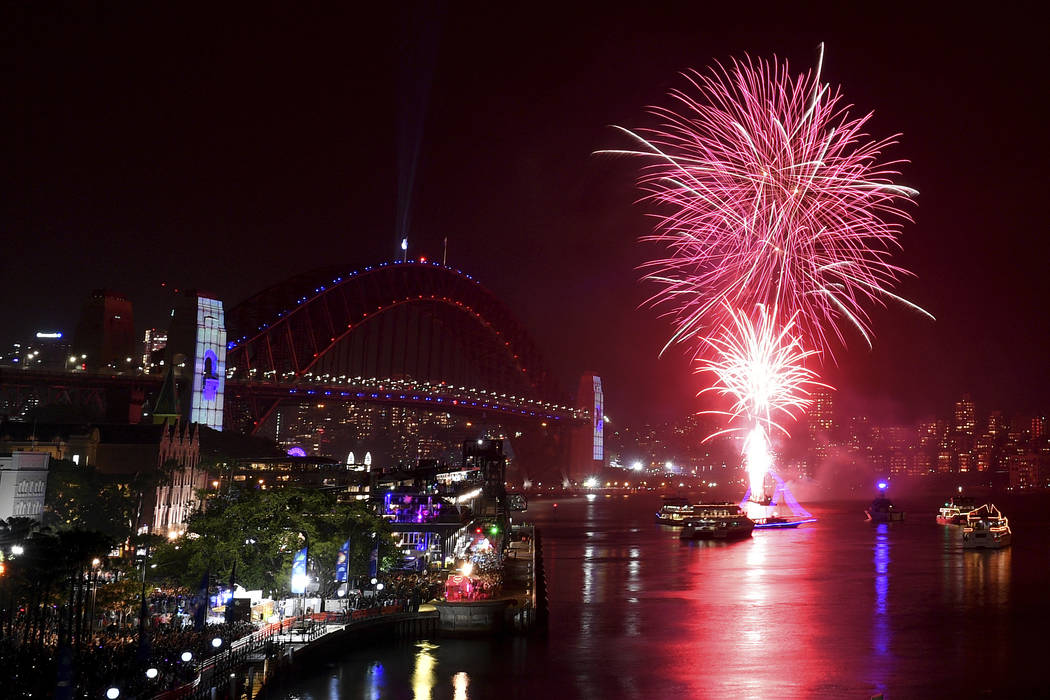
(23, 481)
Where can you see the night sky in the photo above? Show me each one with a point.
(226, 151)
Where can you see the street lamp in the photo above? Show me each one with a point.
(152, 673)
(113, 693)
(186, 656)
(217, 642)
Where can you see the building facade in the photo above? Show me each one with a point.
(105, 334)
(23, 484)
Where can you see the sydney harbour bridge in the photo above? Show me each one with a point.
(407, 333)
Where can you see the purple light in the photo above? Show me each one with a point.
(296, 452)
(882, 485)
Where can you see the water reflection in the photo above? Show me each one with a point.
(460, 683)
(880, 627)
(834, 609)
(423, 676)
(975, 579)
(986, 578)
(375, 681)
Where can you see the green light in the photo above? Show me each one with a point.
(494, 530)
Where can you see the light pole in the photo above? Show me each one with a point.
(143, 608)
(95, 571)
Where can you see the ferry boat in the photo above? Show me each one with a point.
(986, 528)
(954, 510)
(717, 521)
(882, 510)
(674, 511)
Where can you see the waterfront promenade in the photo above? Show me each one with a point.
(257, 665)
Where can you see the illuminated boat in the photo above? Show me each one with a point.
(954, 511)
(717, 521)
(674, 511)
(776, 522)
(882, 510)
(986, 528)
(781, 511)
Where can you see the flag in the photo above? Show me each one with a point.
(373, 560)
(342, 561)
(299, 572)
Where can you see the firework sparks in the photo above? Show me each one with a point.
(770, 197)
(762, 369)
(770, 192)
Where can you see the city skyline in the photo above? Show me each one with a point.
(275, 144)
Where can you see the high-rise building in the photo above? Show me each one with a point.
(965, 416)
(820, 418)
(105, 334)
(153, 343)
(1038, 427)
(1023, 469)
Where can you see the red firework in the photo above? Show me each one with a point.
(762, 368)
(768, 191)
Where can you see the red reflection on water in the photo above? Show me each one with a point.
(746, 632)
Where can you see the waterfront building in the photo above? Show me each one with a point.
(172, 448)
(23, 484)
(307, 471)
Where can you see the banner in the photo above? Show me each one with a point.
(299, 572)
(341, 562)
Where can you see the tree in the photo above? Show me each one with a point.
(260, 530)
(81, 497)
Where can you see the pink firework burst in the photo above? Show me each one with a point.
(761, 367)
(769, 191)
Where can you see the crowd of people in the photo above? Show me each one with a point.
(114, 660)
(116, 654)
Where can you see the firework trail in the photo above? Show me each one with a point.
(762, 369)
(779, 217)
(770, 192)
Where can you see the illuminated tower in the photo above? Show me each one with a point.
(588, 441)
(196, 351)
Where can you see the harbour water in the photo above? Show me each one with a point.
(839, 608)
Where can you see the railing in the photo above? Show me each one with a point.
(214, 671)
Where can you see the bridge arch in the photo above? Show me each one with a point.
(400, 320)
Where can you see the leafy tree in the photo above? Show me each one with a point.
(81, 497)
(260, 530)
